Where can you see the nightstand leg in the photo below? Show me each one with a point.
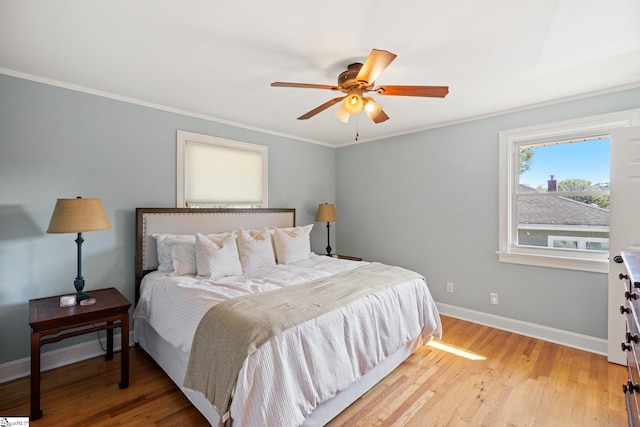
(36, 413)
(109, 354)
(124, 352)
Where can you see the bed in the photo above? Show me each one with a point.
(303, 373)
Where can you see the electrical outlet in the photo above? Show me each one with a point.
(493, 298)
(450, 287)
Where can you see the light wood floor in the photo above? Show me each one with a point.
(522, 382)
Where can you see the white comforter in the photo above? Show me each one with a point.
(285, 379)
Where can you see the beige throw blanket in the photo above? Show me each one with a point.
(232, 330)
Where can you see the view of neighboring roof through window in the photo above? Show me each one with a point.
(563, 195)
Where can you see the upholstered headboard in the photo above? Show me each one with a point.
(150, 221)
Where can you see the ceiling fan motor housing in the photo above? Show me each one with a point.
(347, 79)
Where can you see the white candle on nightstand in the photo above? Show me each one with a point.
(67, 300)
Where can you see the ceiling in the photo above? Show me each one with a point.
(217, 59)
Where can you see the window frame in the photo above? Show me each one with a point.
(509, 142)
(184, 137)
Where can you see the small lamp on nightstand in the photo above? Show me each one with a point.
(327, 213)
(77, 216)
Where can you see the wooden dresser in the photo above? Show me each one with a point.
(631, 311)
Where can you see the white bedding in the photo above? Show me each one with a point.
(285, 379)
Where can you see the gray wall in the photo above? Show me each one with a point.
(429, 201)
(56, 143)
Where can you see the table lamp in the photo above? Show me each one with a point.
(327, 212)
(78, 216)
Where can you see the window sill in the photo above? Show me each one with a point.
(553, 261)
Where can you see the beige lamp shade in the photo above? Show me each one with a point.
(77, 216)
(326, 213)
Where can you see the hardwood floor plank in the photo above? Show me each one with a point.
(522, 382)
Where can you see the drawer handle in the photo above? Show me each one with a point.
(633, 338)
(630, 387)
(618, 259)
(625, 347)
(623, 276)
(630, 295)
(625, 310)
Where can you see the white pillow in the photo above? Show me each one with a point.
(183, 258)
(217, 256)
(254, 248)
(163, 244)
(293, 244)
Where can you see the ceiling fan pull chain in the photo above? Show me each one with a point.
(357, 133)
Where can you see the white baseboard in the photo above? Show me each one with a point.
(61, 357)
(545, 333)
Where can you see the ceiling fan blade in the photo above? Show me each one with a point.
(304, 85)
(374, 65)
(381, 117)
(321, 108)
(427, 91)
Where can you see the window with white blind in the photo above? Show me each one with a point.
(215, 172)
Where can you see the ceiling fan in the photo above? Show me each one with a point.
(359, 79)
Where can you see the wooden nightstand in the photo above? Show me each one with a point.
(351, 258)
(49, 322)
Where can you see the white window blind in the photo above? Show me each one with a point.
(214, 172)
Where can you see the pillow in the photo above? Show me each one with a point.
(272, 233)
(183, 258)
(164, 243)
(217, 256)
(293, 244)
(254, 248)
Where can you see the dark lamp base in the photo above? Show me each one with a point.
(81, 296)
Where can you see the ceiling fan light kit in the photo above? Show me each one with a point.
(371, 107)
(353, 103)
(358, 79)
(342, 114)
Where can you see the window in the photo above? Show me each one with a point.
(554, 193)
(583, 243)
(217, 172)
